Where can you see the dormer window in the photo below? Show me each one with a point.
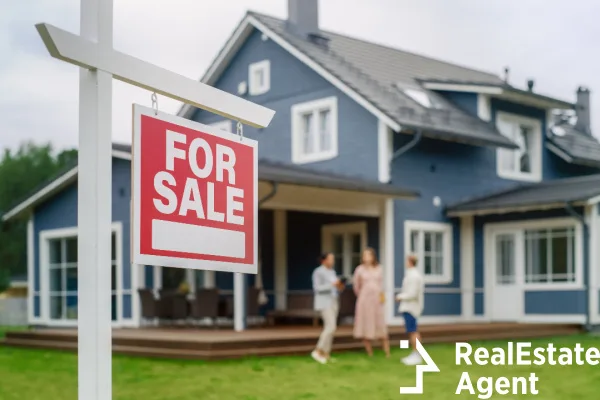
(524, 163)
(259, 77)
(422, 97)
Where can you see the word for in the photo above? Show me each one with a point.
(199, 194)
(487, 386)
(523, 354)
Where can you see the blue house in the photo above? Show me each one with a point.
(494, 188)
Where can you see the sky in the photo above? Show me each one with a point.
(553, 42)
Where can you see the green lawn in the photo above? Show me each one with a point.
(32, 375)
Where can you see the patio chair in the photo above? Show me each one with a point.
(347, 304)
(149, 305)
(206, 305)
(165, 305)
(179, 307)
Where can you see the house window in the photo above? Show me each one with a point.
(61, 256)
(431, 242)
(223, 125)
(346, 242)
(550, 255)
(314, 131)
(259, 77)
(524, 163)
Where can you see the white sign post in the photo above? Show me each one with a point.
(93, 51)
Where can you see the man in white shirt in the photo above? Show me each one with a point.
(326, 287)
(411, 306)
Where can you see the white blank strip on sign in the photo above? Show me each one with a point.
(195, 239)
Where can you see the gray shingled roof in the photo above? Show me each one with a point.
(550, 193)
(579, 147)
(380, 74)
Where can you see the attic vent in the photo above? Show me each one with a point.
(318, 39)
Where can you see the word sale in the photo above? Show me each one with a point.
(199, 195)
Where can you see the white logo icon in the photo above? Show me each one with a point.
(429, 366)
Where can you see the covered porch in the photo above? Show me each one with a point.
(302, 214)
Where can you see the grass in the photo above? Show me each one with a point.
(35, 374)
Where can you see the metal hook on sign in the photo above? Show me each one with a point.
(240, 130)
(154, 98)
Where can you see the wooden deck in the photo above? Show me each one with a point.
(210, 344)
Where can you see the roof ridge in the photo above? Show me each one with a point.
(390, 47)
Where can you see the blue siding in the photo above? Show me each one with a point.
(442, 304)
(292, 82)
(61, 212)
(463, 100)
(555, 302)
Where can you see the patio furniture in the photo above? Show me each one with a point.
(172, 306)
(299, 306)
(149, 305)
(205, 305)
(347, 303)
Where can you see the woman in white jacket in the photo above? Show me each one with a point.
(411, 306)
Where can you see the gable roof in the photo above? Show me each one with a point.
(268, 171)
(536, 196)
(376, 76)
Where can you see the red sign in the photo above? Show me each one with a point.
(194, 195)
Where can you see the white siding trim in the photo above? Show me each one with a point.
(484, 107)
(31, 273)
(593, 221)
(384, 151)
(467, 267)
(280, 257)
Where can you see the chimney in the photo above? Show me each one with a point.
(303, 16)
(582, 108)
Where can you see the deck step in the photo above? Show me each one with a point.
(198, 353)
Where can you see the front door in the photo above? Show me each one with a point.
(507, 292)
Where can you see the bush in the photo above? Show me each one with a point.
(4, 279)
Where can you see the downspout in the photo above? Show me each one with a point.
(270, 195)
(586, 261)
(415, 140)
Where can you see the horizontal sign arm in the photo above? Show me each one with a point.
(76, 50)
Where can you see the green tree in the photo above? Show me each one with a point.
(21, 173)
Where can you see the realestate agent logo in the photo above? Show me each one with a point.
(429, 366)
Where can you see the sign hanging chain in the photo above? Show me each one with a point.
(154, 98)
(240, 130)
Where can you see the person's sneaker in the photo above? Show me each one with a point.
(318, 358)
(412, 359)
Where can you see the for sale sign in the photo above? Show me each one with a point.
(194, 195)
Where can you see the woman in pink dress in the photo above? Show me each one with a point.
(369, 320)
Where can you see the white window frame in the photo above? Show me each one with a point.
(536, 150)
(44, 261)
(345, 229)
(555, 223)
(445, 229)
(224, 125)
(254, 87)
(298, 110)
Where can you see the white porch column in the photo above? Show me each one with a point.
(157, 278)
(467, 267)
(386, 254)
(94, 211)
(280, 257)
(30, 271)
(593, 220)
(239, 302)
(209, 279)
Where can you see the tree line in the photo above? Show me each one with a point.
(23, 171)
